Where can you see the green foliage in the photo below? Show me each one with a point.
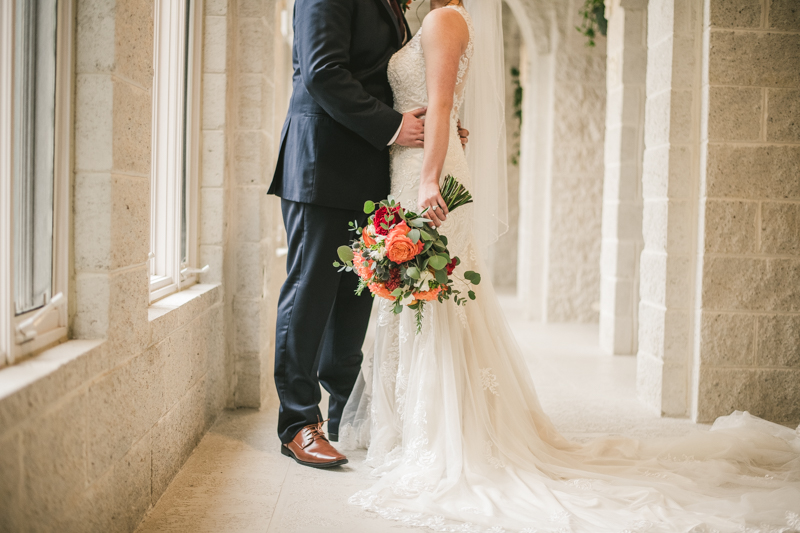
(517, 114)
(594, 20)
(454, 194)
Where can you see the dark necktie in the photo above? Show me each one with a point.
(399, 14)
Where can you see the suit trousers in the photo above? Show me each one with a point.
(321, 322)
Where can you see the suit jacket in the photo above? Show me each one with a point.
(333, 145)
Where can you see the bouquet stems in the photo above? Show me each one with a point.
(454, 194)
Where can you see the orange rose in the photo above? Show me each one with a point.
(379, 289)
(362, 266)
(369, 241)
(399, 248)
(427, 296)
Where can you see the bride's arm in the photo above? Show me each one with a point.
(445, 36)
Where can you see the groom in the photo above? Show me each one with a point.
(333, 157)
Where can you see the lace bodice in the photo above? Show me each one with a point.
(407, 72)
(407, 77)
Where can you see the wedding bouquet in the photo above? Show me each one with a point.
(399, 257)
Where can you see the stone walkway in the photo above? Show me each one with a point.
(237, 480)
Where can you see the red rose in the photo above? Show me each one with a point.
(452, 266)
(387, 216)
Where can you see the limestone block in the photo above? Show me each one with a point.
(722, 391)
(783, 116)
(181, 366)
(94, 104)
(247, 319)
(248, 211)
(213, 165)
(732, 283)
(252, 8)
(653, 268)
(130, 220)
(215, 37)
(132, 129)
(730, 226)
(179, 309)
(778, 396)
(675, 390)
(784, 15)
(249, 270)
(658, 116)
(175, 436)
(216, 7)
(129, 298)
(251, 101)
(727, 339)
(11, 482)
(581, 68)
(677, 337)
(54, 459)
(217, 390)
(687, 13)
(133, 43)
(95, 40)
(780, 228)
(212, 207)
(122, 408)
(92, 203)
(251, 45)
(751, 58)
(214, 100)
(575, 158)
(730, 171)
(683, 67)
(735, 13)
(658, 77)
(92, 295)
(734, 113)
(779, 341)
(655, 172)
(577, 189)
(120, 499)
(214, 257)
(248, 161)
(649, 381)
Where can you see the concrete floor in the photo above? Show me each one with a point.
(237, 481)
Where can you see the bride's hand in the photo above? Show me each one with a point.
(430, 196)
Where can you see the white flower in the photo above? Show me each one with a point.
(378, 255)
(425, 277)
(407, 300)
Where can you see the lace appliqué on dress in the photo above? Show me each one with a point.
(489, 381)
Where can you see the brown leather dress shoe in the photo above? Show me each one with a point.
(310, 447)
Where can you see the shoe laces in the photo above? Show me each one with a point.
(315, 430)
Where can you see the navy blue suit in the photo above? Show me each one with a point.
(333, 157)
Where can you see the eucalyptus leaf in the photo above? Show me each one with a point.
(471, 295)
(369, 207)
(412, 272)
(437, 262)
(345, 253)
(417, 222)
(441, 277)
(414, 235)
(425, 235)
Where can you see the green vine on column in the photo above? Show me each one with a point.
(517, 114)
(594, 20)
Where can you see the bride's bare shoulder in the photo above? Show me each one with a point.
(446, 24)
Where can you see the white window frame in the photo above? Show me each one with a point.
(176, 149)
(48, 325)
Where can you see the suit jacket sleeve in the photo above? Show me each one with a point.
(323, 33)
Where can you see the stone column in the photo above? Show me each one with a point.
(622, 186)
(255, 31)
(113, 123)
(670, 182)
(747, 353)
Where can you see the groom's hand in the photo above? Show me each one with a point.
(463, 135)
(412, 132)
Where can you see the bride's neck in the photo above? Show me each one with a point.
(435, 4)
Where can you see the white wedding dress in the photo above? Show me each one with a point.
(459, 441)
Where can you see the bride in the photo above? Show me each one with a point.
(455, 432)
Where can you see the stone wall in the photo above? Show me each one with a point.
(748, 317)
(622, 186)
(93, 431)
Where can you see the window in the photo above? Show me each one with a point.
(175, 147)
(34, 174)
